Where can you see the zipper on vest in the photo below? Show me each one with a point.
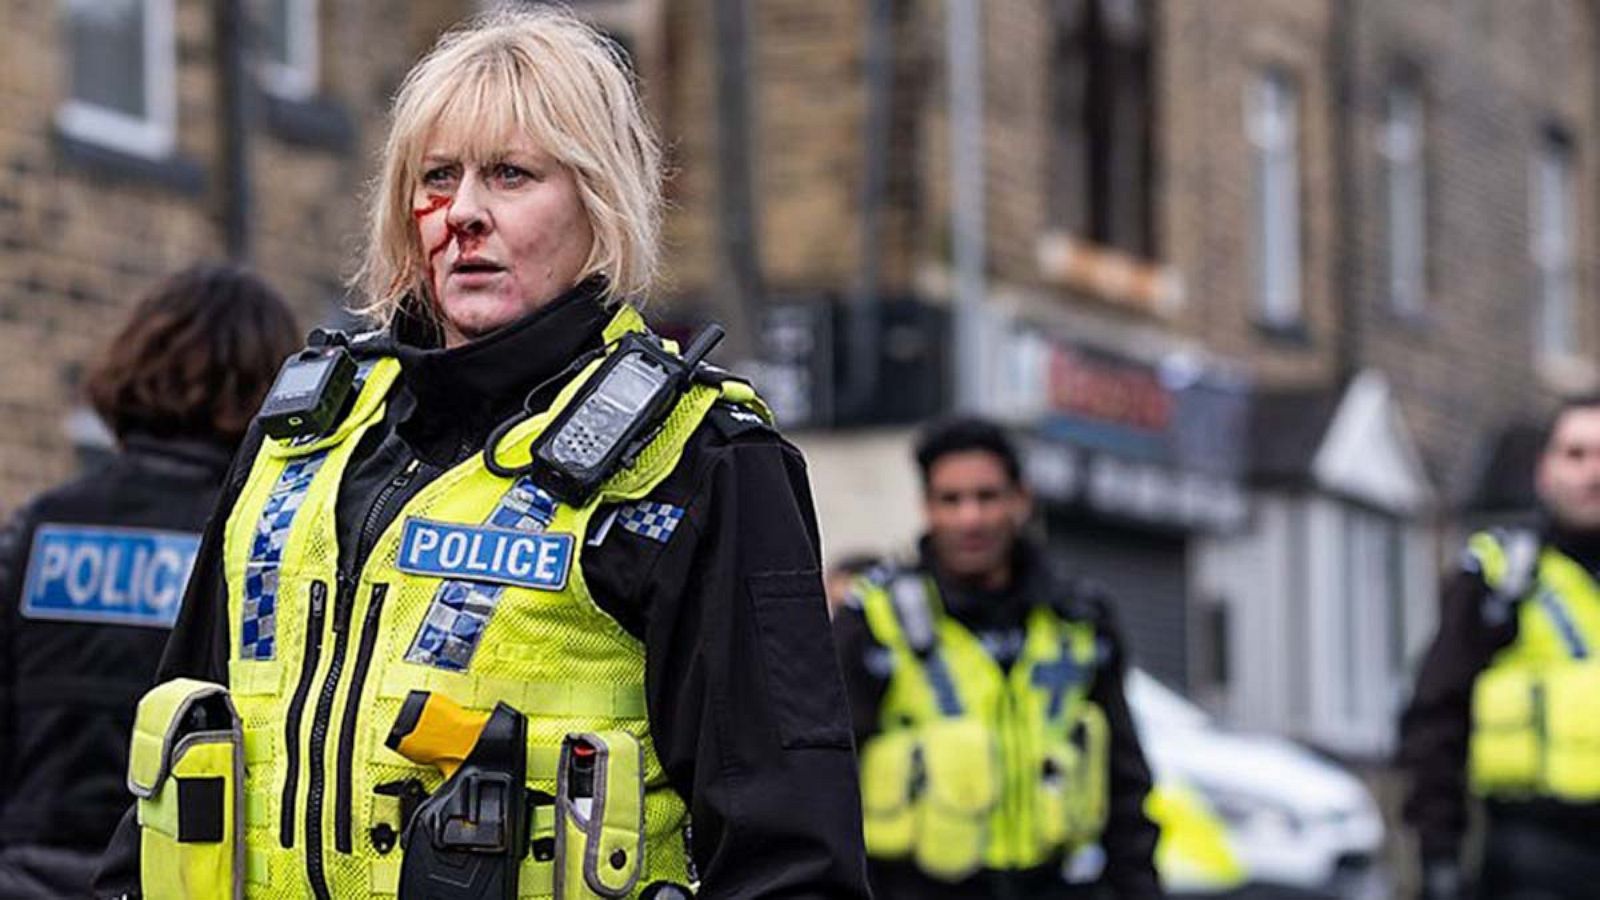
(343, 607)
(315, 869)
(310, 656)
(347, 730)
(370, 527)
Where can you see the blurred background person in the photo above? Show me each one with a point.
(91, 573)
(842, 576)
(1505, 703)
(999, 758)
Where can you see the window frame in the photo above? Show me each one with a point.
(1402, 146)
(153, 136)
(1272, 128)
(1553, 244)
(1102, 156)
(298, 78)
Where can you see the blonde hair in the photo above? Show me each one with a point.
(537, 73)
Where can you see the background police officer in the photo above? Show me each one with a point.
(91, 573)
(1505, 706)
(1029, 656)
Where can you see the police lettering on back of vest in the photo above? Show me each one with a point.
(102, 575)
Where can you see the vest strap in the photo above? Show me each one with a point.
(915, 614)
(1566, 625)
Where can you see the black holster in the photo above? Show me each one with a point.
(467, 840)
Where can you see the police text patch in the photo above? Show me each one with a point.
(485, 553)
(119, 576)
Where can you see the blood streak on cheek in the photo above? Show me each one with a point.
(435, 203)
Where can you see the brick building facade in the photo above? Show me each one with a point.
(1274, 237)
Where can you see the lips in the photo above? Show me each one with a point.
(475, 266)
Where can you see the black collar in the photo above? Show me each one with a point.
(494, 372)
(178, 454)
(1583, 547)
(456, 396)
(1033, 583)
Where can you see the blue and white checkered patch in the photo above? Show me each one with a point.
(460, 611)
(650, 519)
(258, 625)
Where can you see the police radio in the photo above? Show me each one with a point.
(615, 415)
(311, 389)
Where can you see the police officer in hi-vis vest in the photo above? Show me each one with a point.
(998, 756)
(1507, 704)
(92, 572)
(514, 598)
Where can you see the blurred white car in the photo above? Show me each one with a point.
(1299, 825)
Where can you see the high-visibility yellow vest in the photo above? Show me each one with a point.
(975, 767)
(320, 663)
(1195, 854)
(1535, 723)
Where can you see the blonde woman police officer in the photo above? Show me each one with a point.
(652, 640)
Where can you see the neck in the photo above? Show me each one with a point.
(996, 579)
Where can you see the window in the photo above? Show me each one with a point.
(120, 70)
(1101, 165)
(1367, 635)
(287, 46)
(1553, 244)
(1400, 144)
(1272, 124)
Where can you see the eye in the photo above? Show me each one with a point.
(440, 176)
(512, 175)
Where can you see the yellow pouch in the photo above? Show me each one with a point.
(890, 765)
(1504, 752)
(186, 767)
(1572, 729)
(962, 787)
(599, 816)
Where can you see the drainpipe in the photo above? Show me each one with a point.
(233, 95)
(964, 46)
(741, 252)
(865, 314)
(1346, 145)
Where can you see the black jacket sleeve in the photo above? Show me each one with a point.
(14, 539)
(865, 683)
(1435, 725)
(197, 648)
(1130, 837)
(745, 701)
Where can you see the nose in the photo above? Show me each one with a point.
(468, 211)
(969, 512)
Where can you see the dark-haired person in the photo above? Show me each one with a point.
(998, 756)
(1506, 709)
(92, 572)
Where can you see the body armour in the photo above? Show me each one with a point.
(976, 767)
(1535, 730)
(474, 592)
